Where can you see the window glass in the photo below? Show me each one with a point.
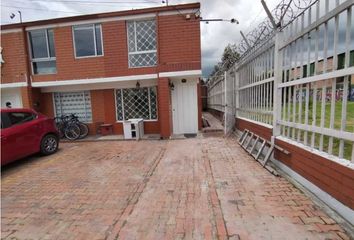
(45, 67)
(38, 44)
(136, 103)
(43, 51)
(84, 42)
(98, 39)
(5, 121)
(51, 43)
(146, 35)
(87, 40)
(142, 43)
(20, 117)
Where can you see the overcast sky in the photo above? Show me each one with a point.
(215, 35)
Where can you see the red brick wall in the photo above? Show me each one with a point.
(103, 110)
(164, 107)
(14, 54)
(178, 42)
(46, 104)
(331, 177)
(260, 130)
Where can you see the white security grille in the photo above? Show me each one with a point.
(136, 103)
(142, 43)
(78, 103)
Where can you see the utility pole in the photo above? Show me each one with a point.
(165, 1)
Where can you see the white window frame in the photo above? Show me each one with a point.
(54, 106)
(47, 59)
(135, 42)
(88, 26)
(145, 120)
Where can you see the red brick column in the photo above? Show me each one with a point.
(164, 107)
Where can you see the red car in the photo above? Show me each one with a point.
(24, 132)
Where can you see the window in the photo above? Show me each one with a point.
(142, 43)
(42, 51)
(136, 103)
(88, 40)
(5, 121)
(16, 118)
(78, 103)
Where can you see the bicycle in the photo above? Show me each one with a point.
(67, 128)
(84, 129)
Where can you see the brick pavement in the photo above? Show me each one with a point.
(202, 188)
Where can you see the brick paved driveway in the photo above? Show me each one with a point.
(202, 188)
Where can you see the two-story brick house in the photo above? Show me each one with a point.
(109, 67)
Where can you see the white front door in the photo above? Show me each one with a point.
(11, 95)
(185, 107)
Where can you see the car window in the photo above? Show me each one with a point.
(20, 117)
(5, 121)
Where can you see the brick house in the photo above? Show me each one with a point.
(109, 67)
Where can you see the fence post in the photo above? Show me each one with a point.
(236, 93)
(277, 99)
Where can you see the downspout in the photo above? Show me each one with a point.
(27, 61)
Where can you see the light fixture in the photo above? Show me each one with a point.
(137, 85)
(184, 80)
(12, 16)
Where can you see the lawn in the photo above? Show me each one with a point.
(336, 125)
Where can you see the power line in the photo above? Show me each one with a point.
(37, 9)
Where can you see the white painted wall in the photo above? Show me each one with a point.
(12, 95)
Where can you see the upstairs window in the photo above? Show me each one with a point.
(88, 40)
(142, 43)
(42, 51)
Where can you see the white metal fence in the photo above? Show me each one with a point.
(299, 80)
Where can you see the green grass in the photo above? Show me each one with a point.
(336, 125)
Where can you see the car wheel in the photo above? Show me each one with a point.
(49, 144)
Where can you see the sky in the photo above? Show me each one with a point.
(214, 36)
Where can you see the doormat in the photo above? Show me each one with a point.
(190, 135)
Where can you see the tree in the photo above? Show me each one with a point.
(228, 59)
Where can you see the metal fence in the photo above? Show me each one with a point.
(299, 79)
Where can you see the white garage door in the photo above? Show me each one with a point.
(185, 107)
(12, 96)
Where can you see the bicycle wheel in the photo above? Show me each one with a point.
(84, 130)
(72, 132)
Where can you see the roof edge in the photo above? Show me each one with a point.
(102, 15)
